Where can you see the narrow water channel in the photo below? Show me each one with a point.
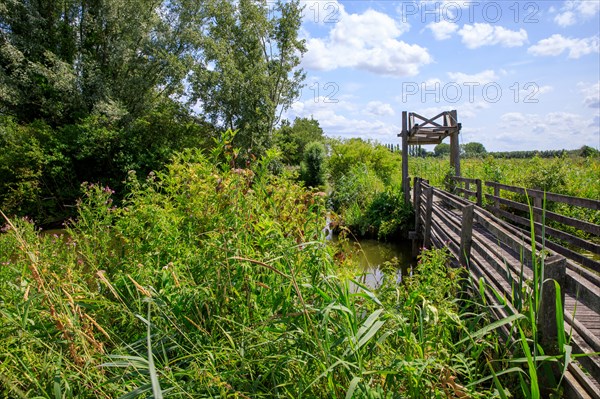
(374, 254)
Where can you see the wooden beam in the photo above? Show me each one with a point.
(428, 121)
(455, 153)
(428, 211)
(405, 181)
(554, 270)
(466, 235)
(576, 201)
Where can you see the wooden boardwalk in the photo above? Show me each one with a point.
(499, 254)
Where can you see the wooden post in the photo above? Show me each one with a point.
(467, 187)
(466, 235)
(479, 192)
(417, 205)
(537, 214)
(454, 145)
(428, 211)
(415, 183)
(405, 182)
(554, 270)
(417, 236)
(497, 194)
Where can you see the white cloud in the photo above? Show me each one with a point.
(442, 30)
(367, 41)
(483, 34)
(576, 11)
(591, 94)
(332, 118)
(465, 110)
(553, 130)
(513, 118)
(482, 77)
(379, 108)
(566, 18)
(557, 44)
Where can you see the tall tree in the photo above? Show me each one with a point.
(63, 59)
(249, 71)
(472, 150)
(442, 149)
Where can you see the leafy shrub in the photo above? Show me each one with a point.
(548, 176)
(43, 167)
(388, 215)
(357, 186)
(345, 154)
(492, 170)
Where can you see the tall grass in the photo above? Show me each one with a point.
(212, 281)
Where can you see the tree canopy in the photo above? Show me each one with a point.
(472, 150)
(248, 73)
(292, 139)
(92, 89)
(442, 149)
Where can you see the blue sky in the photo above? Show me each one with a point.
(522, 75)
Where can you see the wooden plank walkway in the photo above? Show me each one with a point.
(500, 254)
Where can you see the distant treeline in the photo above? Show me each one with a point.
(474, 150)
(585, 151)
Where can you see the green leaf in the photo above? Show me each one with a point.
(352, 387)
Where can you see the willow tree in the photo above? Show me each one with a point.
(62, 59)
(249, 68)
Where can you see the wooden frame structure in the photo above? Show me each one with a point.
(417, 130)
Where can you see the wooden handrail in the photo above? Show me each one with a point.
(566, 199)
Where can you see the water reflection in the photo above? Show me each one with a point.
(373, 254)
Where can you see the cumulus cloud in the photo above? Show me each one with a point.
(557, 44)
(566, 18)
(379, 108)
(591, 94)
(484, 34)
(513, 118)
(560, 130)
(335, 121)
(367, 41)
(442, 30)
(576, 11)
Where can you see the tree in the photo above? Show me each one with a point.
(97, 87)
(314, 167)
(88, 92)
(587, 151)
(293, 138)
(62, 60)
(249, 69)
(472, 150)
(441, 150)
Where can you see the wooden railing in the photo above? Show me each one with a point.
(572, 247)
(466, 191)
(495, 244)
(580, 250)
